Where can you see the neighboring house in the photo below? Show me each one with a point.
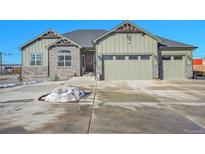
(10, 69)
(199, 67)
(127, 52)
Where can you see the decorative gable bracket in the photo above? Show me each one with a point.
(63, 42)
(50, 34)
(128, 28)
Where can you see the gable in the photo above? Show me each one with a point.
(50, 34)
(63, 42)
(46, 35)
(127, 27)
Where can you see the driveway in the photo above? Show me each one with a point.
(112, 107)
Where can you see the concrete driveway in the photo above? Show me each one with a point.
(112, 107)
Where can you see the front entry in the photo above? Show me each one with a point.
(88, 62)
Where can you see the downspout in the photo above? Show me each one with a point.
(21, 63)
(48, 65)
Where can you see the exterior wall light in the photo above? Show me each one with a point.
(99, 58)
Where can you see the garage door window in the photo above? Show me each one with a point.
(166, 57)
(178, 57)
(133, 57)
(120, 57)
(108, 57)
(145, 57)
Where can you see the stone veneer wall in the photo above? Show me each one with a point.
(35, 71)
(189, 71)
(64, 72)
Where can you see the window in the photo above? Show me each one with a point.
(108, 57)
(145, 57)
(178, 57)
(64, 60)
(120, 57)
(133, 57)
(166, 57)
(36, 59)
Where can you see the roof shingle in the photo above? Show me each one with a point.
(85, 37)
(167, 43)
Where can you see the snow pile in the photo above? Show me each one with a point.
(7, 85)
(64, 95)
(30, 82)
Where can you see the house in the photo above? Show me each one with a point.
(10, 69)
(199, 67)
(127, 52)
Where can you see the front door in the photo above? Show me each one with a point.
(88, 62)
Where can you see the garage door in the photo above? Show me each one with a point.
(173, 67)
(132, 67)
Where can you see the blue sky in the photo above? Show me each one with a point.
(15, 33)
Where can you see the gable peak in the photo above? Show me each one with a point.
(50, 34)
(128, 27)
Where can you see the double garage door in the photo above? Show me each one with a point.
(131, 67)
(173, 67)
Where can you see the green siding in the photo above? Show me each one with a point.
(36, 47)
(127, 43)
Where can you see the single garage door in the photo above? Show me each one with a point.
(173, 67)
(131, 67)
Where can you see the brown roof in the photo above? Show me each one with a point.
(167, 43)
(85, 37)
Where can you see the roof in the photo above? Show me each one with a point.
(167, 43)
(133, 25)
(85, 37)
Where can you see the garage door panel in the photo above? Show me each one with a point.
(167, 69)
(121, 70)
(145, 70)
(128, 69)
(133, 67)
(174, 69)
(179, 70)
(109, 74)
